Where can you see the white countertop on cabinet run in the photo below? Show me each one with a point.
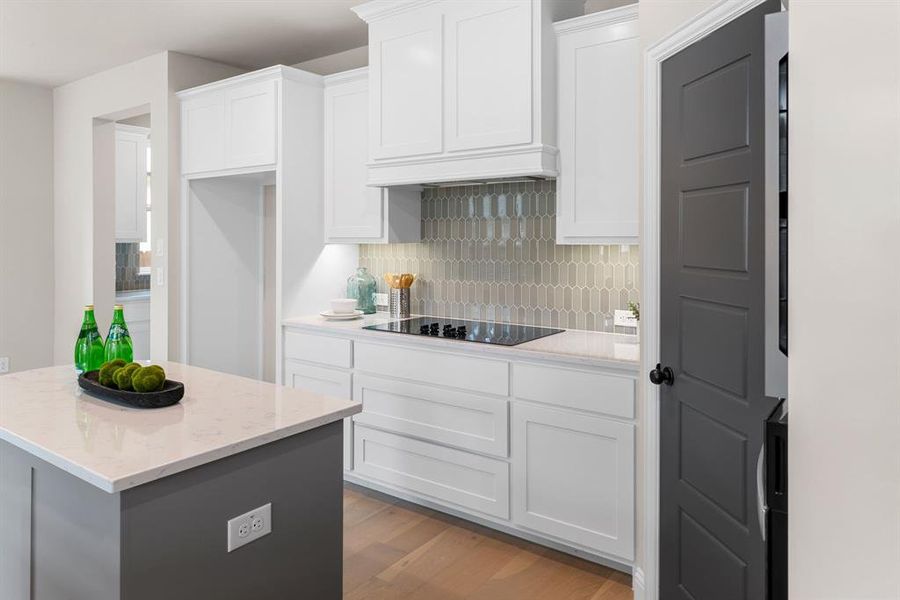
(45, 413)
(587, 348)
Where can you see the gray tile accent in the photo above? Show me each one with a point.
(128, 265)
(489, 252)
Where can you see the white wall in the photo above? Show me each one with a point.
(26, 225)
(226, 275)
(84, 239)
(336, 63)
(844, 443)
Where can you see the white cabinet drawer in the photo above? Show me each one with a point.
(445, 475)
(454, 418)
(328, 382)
(574, 477)
(319, 380)
(482, 375)
(575, 388)
(322, 349)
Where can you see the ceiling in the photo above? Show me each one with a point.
(51, 42)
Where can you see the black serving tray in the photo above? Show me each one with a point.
(171, 393)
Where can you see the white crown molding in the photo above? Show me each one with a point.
(382, 9)
(622, 14)
(719, 14)
(273, 72)
(362, 73)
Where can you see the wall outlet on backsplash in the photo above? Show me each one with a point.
(382, 300)
(625, 318)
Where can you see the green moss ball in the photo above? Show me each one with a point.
(108, 371)
(148, 379)
(124, 374)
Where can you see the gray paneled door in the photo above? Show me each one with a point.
(712, 320)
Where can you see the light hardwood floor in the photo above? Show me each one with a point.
(394, 550)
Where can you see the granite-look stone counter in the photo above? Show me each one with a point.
(576, 347)
(114, 448)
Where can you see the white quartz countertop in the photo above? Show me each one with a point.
(45, 413)
(586, 348)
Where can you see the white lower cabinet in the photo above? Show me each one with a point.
(573, 477)
(444, 475)
(540, 449)
(328, 382)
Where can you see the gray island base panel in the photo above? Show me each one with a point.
(64, 539)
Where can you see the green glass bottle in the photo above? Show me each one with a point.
(118, 342)
(89, 345)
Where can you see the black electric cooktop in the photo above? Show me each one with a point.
(486, 332)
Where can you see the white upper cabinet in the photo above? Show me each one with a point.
(131, 183)
(405, 75)
(203, 133)
(251, 120)
(233, 124)
(355, 212)
(488, 106)
(462, 89)
(597, 188)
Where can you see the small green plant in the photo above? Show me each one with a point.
(635, 308)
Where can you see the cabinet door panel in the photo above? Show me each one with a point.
(574, 477)
(352, 209)
(131, 186)
(203, 131)
(250, 125)
(489, 74)
(598, 135)
(405, 78)
(328, 382)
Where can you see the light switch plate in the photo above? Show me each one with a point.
(4, 364)
(624, 318)
(249, 527)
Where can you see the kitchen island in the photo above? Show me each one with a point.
(104, 502)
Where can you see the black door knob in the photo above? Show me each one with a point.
(662, 375)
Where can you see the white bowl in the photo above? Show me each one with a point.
(343, 305)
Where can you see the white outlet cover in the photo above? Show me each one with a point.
(4, 364)
(624, 318)
(249, 527)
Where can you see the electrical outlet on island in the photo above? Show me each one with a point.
(249, 527)
(4, 364)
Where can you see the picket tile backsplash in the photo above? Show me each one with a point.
(488, 252)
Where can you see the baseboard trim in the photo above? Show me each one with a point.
(637, 584)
